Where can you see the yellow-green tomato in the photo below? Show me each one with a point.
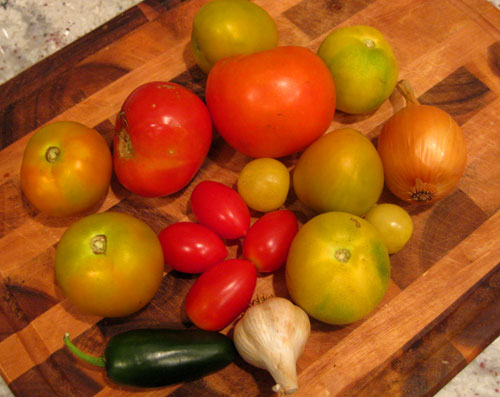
(338, 268)
(109, 264)
(66, 168)
(363, 66)
(341, 171)
(264, 183)
(223, 28)
(394, 224)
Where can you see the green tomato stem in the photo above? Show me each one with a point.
(94, 360)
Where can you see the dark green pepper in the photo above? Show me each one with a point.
(160, 357)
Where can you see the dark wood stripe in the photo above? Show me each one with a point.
(461, 94)
(437, 229)
(494, 57)
(70, 88)
(194, 79)
(162, 5)
(21, 302)
(315, 17)
(427, 365)
(61, 375)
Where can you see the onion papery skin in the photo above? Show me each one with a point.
(423, 152)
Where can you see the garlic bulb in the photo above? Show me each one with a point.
(272, 335)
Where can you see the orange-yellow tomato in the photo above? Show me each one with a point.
(338, 268)
(341, 171)
(109, 264)
(66, 168)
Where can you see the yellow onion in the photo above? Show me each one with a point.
(422, 150)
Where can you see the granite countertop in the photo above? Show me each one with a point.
(30, 30)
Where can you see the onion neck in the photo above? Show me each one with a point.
(406, 90)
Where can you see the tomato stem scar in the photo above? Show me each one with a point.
(98, 244)
(369, 43)
(52, 154)
(342, 255)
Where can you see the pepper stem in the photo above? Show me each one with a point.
(94, 360)
(406, 90)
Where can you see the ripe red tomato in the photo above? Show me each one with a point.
(189, 247)
(271, 103)
(221, 209)
(221, 293)
(66, 168)
(162, 136)
(269, 238)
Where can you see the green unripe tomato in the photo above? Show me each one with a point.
(393, 223)
(223, 28)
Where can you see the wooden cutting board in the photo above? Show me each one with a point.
(443, 304)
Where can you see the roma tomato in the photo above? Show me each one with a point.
(189, 247)
(271, 103)
(162, 136)
(338, 268)
(221, 209)
(222, 28)
(221, 293)
(341, 171)
(109, 264)
(268, 240)
(66, 168)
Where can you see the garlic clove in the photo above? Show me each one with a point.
(272, 335)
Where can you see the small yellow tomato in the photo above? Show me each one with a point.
(393, 223)
(264, 183)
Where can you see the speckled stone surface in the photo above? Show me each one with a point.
(30, 30)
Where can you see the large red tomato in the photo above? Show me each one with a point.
(271, 103)
(163, 134)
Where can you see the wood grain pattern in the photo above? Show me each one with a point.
(442, 305)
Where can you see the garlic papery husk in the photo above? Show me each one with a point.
(272, 335)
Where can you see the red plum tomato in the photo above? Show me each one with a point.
(66, 168)
(162, 135)
(221, 294)
(221, 209)
(268, 241)
(189, 247)
(109, 264)
(271, 103)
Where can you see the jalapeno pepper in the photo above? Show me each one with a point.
(160, 357)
